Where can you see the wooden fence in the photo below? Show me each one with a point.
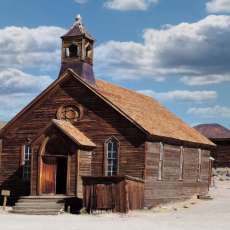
(115, 193)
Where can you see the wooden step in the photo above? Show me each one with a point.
(39, 205)
(36, 212)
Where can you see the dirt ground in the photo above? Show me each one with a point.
(191, 215)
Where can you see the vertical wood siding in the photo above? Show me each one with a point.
(171, 188)
(222, 153)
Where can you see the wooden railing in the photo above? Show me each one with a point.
(115, 193)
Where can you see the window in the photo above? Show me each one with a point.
(181, 172)
(69, 113)
(112, 147)
(73, 51)
(26, 164)
(160, 167)
(199, 165)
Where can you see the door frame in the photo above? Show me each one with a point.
(41, 155)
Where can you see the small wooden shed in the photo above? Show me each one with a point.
(219, 135)
(114, 193)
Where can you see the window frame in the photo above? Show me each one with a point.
(181, 170)
(106, 159)
(26, 162)
(74, 53)
(161, 162)
(199, 165)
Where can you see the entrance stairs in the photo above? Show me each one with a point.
(40, 205)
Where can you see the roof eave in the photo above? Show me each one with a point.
(171, 140)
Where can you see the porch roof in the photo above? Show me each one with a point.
(73, 133)
(70, 131)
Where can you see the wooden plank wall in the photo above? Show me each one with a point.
(222, 154)
(170, 188)
(117, 194)
(84, 169)
(135, 194)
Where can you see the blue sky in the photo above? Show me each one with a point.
(176, 51)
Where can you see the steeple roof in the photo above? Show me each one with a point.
(78, 30)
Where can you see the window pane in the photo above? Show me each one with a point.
(112, 155)
(115, 146)
(27, 163)
(110, 146)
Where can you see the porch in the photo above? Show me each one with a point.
(103, 193)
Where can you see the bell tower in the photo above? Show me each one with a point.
(77, 51)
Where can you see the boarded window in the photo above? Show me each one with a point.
(160, 168)
(26, 162)
(112, 148)
(199, 165)
(181, 172)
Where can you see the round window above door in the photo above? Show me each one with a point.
(69, 113)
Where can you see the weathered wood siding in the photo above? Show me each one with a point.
(117, 194)
(170, 188)
(222, 153)
(99, 122)
(84, 169)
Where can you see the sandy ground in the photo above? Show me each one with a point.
(191, 215)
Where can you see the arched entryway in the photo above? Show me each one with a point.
(61, 156)
(54, 166)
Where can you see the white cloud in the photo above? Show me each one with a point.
(182, 95)
(10, 104)
(218, 6)
(17, 89)
(22, 47)
(16, 81)
(184, 49)
(81, 1)
(125, 5)
(211, 112)
(205, 80)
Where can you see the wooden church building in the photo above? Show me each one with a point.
(83, 138)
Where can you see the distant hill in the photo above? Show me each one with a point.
(213, 131)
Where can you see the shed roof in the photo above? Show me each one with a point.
(213, 131)
(73, 133)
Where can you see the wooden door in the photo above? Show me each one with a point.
(48, 177)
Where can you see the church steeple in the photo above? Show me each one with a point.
(77, 51)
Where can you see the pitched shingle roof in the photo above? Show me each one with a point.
(150, 114)
(213, 131)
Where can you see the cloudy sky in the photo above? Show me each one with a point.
(176, 51)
